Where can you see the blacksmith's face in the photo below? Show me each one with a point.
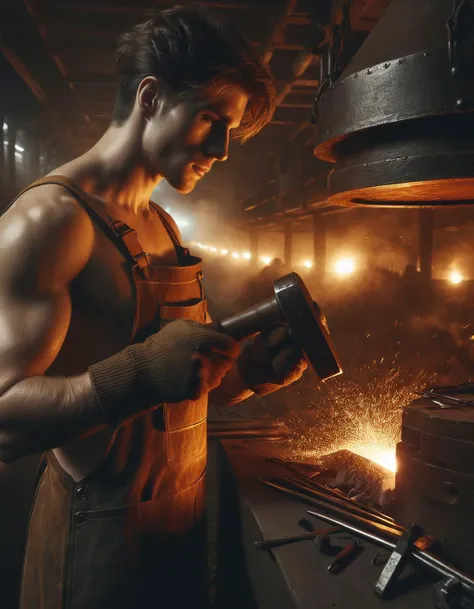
(183, 143)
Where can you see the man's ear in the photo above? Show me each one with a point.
(148, 95)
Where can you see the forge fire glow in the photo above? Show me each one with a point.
(383, 455)
(361, 414)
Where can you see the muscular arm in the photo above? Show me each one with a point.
(45, 241)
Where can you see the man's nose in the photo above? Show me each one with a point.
(217, 146)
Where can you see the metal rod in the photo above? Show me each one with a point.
(353, 506)
(248, 434)
(319, 503)
(422, 557)
(431, 395)
(389, 545)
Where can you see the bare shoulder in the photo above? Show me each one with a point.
(45, 228)
(169, 219)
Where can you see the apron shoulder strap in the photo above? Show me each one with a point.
(182, 252)
(167, 224)
(121, 233)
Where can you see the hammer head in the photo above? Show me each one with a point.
(292, 306)
(308, 325)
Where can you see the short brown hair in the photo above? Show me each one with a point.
(189, 51)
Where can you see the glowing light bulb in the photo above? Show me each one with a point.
(224, 252)
(265, 259)
(247, 255)
(455, 277)
(307, 264)
(345, 266)
(213, 249)
(235, 255)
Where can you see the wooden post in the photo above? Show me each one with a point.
(34, 155)
(11, 161)
(288, 246)
(319, 244)
(254, 246)
(2, 148)
(425, 242)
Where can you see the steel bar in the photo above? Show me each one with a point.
(235, 434)
(446, 398)
(346, 504)
(304, 498)
(341, 498)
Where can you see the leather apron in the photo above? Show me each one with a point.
(132, 533)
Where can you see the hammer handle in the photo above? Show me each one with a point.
(269, 544)
(267, 314)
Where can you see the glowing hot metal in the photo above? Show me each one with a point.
(383, 455)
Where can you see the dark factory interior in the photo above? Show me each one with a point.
(323, 272)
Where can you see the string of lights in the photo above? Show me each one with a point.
(342, 267)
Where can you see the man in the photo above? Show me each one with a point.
(94, 371)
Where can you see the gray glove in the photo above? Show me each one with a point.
(271, 362)
(182, 361)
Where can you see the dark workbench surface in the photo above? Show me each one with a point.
(293, 576)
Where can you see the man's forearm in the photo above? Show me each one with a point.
(231, 391)
(41, 413)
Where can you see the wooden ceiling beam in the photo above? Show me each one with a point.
(300, 65)
(283, 123)
(301, 82)
(157, 4)
(33, 9)
(278, 32)
(295, 105)
(21, 69)
(300, 19)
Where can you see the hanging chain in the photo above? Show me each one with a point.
(335, 66)
(452, 27)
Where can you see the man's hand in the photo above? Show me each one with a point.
(183, 361)
(192, 359)
(271, 362)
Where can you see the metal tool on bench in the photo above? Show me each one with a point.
(322, 542)
(291, 305)
(269, 544)
(419, 555)
(447, 592)
(399, 558)
(345, 557)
